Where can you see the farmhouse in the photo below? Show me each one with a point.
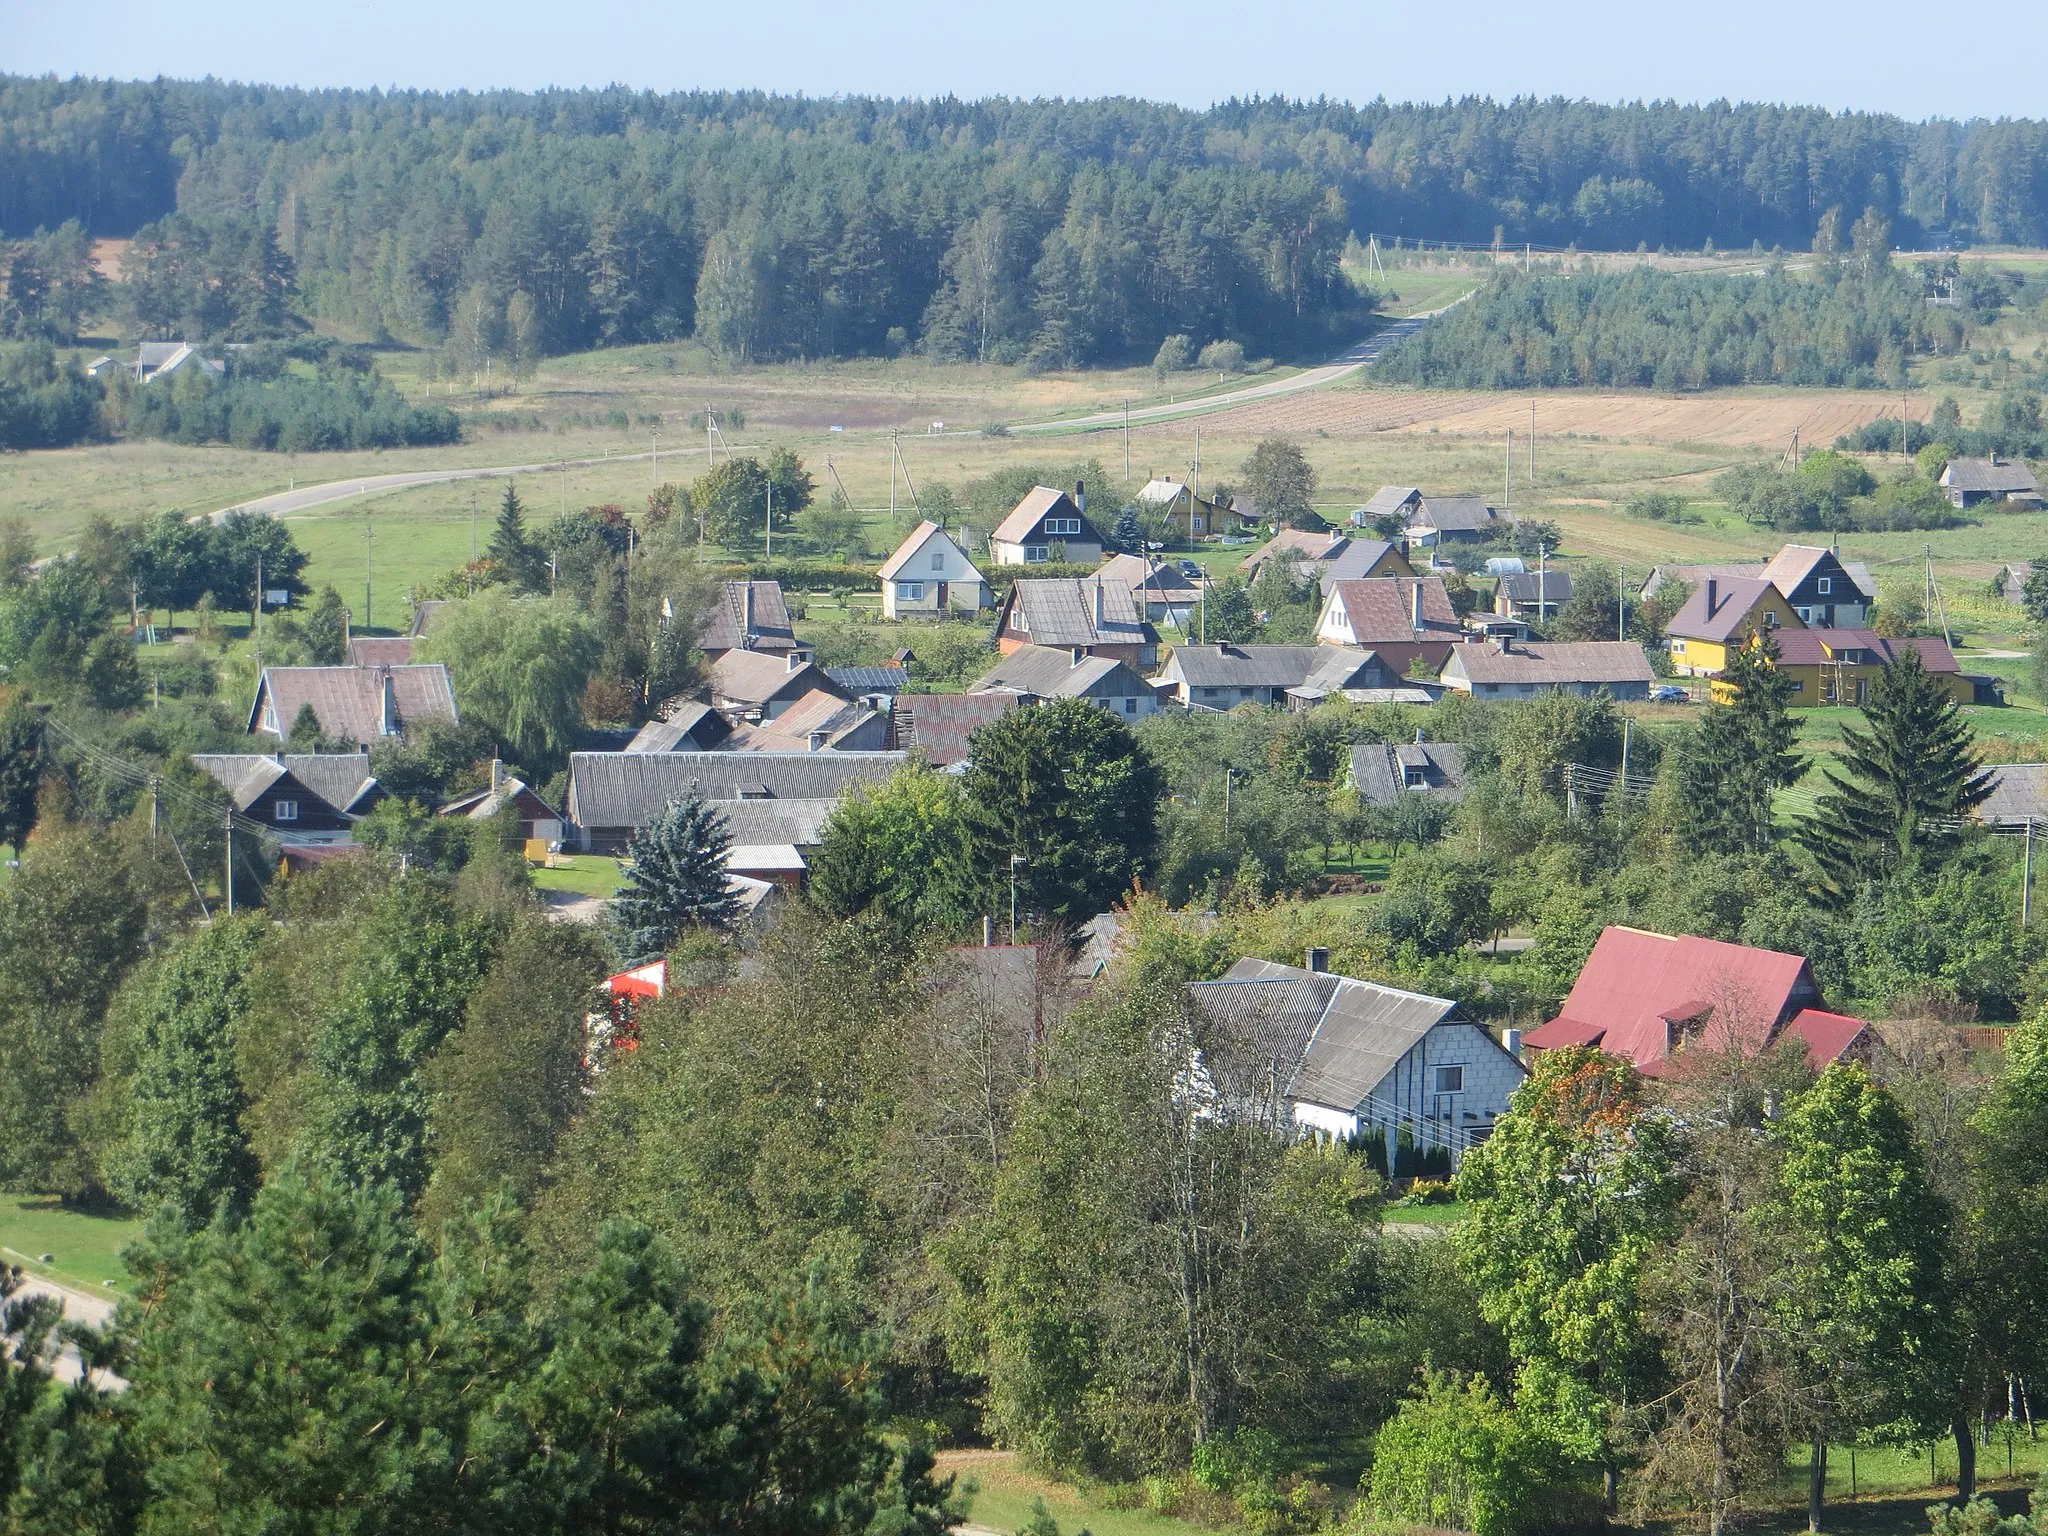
(1352, 1058)
(355, 704)
(685, 726)
(1183, 509)
(1331, 556)
(1044, 672)
(765, 798)
(1095, 615)
(1510, 669)
(1451, 520)
(1837, 666)
(1720, 615)
(158, 359)
(1532, 595)
(936, 726)
(1225, 676)
(1403, 618)
(1819, 587)
(303, 797)
(1381, 774)
(1973, 482)
(930, 576)
(748, 616)
(1647, 997)
(1046, 521)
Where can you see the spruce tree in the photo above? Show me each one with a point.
(1127, 535)
(522, 559)
(677, 881)
(1742, 755)
(1910, 778)
(21, 770)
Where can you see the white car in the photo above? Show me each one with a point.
(1669, 693)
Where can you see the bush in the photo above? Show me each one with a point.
(1456, 1457)
(1173, 355)
(1660, 507)
(1221, 357)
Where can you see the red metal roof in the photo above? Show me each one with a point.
(1638, 990)
(1827, 1035)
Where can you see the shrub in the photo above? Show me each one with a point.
(1221, 357)
(1455, 1456)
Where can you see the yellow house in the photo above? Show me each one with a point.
(1721, 614)
(1839, 666)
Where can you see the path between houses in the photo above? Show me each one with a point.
(304, 498)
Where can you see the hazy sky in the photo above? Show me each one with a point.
(1976, 58)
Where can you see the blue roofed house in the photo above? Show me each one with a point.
(1352, 1057)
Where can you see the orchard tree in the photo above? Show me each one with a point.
(1281, 482)
(732, 503)
(676, 881)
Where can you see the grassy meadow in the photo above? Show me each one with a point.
(84, 1249)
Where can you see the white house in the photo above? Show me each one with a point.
(1353, 1058)
(930, 576)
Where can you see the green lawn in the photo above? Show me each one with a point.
(1425, 1215)
(85, 1251)
(586, 874)
(1005, 1492)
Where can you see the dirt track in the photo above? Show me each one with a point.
(1722, 418)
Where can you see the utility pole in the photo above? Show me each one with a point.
(369, 547)
(1507, 484)
(1905, 445)
(228, 824)
(1127, 441)
(1542, 588)
(2026, 878)
(768, 532)
(1532, 442)
(1627, 731)
(892, 490)
(1620, 605)
(1198, 464)
(259, 611)
(654, 478)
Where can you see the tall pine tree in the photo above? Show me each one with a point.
(677, 881)
(1910, 779)
(524, 561)
(1742, 756)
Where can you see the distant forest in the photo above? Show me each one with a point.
(510, 224)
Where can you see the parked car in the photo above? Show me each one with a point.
(1192, 571)
(1669, 693)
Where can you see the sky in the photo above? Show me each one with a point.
(1916, 60)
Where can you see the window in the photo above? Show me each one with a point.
(1770, 619)
(1450, 1079)
(1130, 706)
(1208, 693)
(284, 810)
(1059, 525)
(1034, 554)
(1825, 585)
(938, 559)
(909, 591)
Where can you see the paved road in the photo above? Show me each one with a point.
(305, 497)
(1341, 366)
(79, 1307)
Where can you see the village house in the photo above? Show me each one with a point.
(1719, 616)
(1397, 501)
(1047, 525)
(1973, 482)
(538, 821)
(1044, 672)
(2011, 581)
(1647, 998)
(1330, 557)
(1184, 510)
(159, 359)
(1096, 615)
(1838, 666)
(748, 616)
(1406, 619)
(1165, 591)
(935, 727)
(1225, 676)
(302, 797)
(685, 725)
(766, 799)
(1353, 1058)
(1381, 773)
(1534, 596)
(930, 576)
(820, 721)
(753, 686)
(1819, 587)
(360, 705)
(1452, 520)
(1521, 669)
(2019, 794)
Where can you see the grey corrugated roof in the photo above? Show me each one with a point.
(1251, 666)
(380, 650)
(725, 628)
(1054, 674)
(1553, 587)
(754, 678)
(339, 778)
(2018, 790)
(688, 725)
(1387, 500)
(629, 789)
(1339, 1036)
(1457, 514)
(2000, 476)
(1061, 612)
(1376, 769)
(348, 700)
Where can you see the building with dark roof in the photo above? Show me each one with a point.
(1330, 556)
(363, 705)
(1819, 587)
(538, 821)
(1972, 482)
(1532, 595)
(1352, 1057)
(1719, 615)
(685, 726)
(1090, 614)
(759, 685)
(936, 726)
(1381, 773)
(1451, 520)
(1648, 997)
(1045, 521)
(764, 798)
(1225, 676)
(1521, 669)
(303, 797)
(380, 651)
(1042, 672)
(748, 616)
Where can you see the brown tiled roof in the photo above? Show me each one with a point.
(936, 725)
(1380, 608)
(1734, 597)
(725, 628)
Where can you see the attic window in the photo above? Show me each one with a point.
(1825, 585)
(753, 792)
(1059, 525)
(939, 562)
(284, 810)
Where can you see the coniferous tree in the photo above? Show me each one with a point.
(1126, 534)
(1742, 755)
(1909, 779)
(677, 881)
(524, 561)
(21, 771)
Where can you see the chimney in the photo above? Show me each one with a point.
(1319, 959)
(746, 615)
(1511, 1042)
(1415, 607)
(1713, 591)
(1081, 497)
(816, 741)
(1098, 605)
(1418, 735)
(497, 774)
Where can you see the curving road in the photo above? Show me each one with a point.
(305, 497)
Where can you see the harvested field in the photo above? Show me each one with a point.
(1746, 418)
